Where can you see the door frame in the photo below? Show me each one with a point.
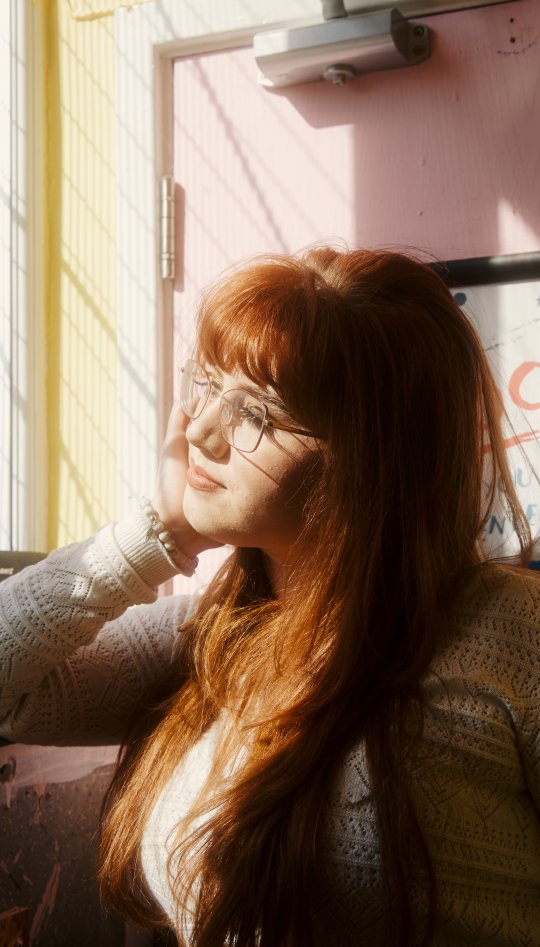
(148, 39)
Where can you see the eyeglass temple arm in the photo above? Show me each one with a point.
(287, 427)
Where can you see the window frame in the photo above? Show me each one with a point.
(23, 465)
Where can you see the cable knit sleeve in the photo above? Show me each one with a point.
(75, 658)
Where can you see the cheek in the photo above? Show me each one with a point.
(264, 500)
(281, 489)
(254, 495)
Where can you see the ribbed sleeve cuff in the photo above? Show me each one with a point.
(144, 552)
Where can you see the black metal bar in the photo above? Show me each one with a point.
(511, 268)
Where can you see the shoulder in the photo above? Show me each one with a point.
(501, 599)
(497, 587)
(491, 643)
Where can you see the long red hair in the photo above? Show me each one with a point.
(369, 350)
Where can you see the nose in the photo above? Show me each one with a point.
(204, 432)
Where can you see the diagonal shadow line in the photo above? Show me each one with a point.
(244, 162)
(88, 300)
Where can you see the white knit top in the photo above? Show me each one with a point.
(75, 659)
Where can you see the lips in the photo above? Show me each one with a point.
(200, 479)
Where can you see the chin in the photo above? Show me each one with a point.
(201, 526)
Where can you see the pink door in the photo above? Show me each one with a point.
(440, 158)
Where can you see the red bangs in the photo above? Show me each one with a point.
(252, 321)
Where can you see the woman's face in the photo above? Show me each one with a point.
(247, 499)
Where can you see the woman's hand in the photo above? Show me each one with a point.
(168, 496)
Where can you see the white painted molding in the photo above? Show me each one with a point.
(23, 521)
(5, 276)
(411, 8)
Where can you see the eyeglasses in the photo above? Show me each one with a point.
(242, 415)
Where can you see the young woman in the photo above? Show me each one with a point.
(337, 743)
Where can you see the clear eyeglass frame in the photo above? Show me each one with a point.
(243, 417)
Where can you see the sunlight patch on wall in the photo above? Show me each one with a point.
(81, 243)
(516, 235)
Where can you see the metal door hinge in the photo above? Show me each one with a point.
(166, 227)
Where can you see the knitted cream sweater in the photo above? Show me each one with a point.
(75, 658)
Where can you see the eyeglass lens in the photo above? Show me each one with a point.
(194, 389)
(241, 414)
(242, 419)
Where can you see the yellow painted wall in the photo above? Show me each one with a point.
(80, 262)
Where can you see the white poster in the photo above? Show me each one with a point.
(507, 317)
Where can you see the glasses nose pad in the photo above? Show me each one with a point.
(226, 412)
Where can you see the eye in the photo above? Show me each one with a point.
(200, 386)
(251, 414)
(277, 411)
